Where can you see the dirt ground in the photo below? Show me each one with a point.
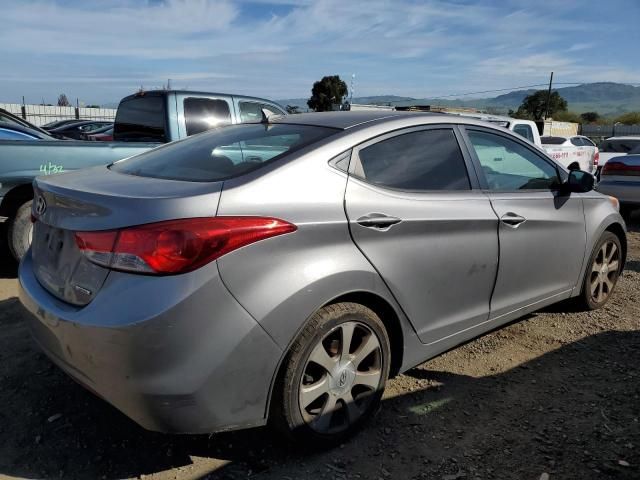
(555, 394)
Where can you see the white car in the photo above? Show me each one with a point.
(576, 151)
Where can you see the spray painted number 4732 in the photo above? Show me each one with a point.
(49, 168)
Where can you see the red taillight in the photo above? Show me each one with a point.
(176, 246)
(618, 167)
(596, 158)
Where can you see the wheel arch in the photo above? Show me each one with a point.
(14, 198)
(618, 230)
(379, 305)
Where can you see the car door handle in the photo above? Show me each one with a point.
(512, 220)
(378, 220)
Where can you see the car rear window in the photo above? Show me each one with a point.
(223, 152)
(553, 140)
(619, 146)
(141, 119)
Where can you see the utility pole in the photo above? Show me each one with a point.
(353, 78)
(546, 113)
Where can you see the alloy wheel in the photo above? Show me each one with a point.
(342, 372)
(604, 271)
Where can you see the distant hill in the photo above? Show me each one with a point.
(607, 98)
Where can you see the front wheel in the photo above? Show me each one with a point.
(20, 231)
(334, 376)
(605, 266)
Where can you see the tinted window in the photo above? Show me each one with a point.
(425, 160)
(13, 135)
(577, 142)
(222, 153)
(619, 146)
(507, 165)
(141, 119)
(252, 111)
(524, 131)
(553, 140)
(587, 142)
(203, 114)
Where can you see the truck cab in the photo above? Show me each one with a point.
(167, 115)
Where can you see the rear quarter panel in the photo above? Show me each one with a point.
(282, 281)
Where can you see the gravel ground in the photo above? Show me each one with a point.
(555, 395)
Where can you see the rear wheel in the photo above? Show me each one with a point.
(334, 376)
(20, 231)
(603, 272)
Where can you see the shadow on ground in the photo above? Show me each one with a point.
(572, 412)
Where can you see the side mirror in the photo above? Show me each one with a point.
(579, 182)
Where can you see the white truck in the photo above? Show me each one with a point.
(570, 155)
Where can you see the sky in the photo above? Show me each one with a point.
(100, 51)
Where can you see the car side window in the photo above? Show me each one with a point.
(577, 142)
(252, 111)
(587, 142)
(509, 166)
(524, 131)
(425, 160)
(202, 114)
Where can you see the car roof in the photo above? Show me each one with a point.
(160, 93)
(344, 120)
(628, 137)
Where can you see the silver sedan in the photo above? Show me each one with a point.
(284, 270)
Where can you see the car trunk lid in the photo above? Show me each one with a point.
(100, 199)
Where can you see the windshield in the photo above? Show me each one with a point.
(223, 152)
(553, 140)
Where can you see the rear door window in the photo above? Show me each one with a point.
(201, 114)
(252, 111)
(524, 131)
(141, 119)
(425, 160)
(222, 153)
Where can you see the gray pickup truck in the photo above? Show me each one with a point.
(143, 121)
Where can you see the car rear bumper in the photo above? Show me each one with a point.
(627, 192)
(179, 356)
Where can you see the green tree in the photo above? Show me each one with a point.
(590, 117)
(63, 101)
(631, 118)
(326, 93)
(535, 105)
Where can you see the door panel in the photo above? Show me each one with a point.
(542, 255)
(439, 261)
(541, 232)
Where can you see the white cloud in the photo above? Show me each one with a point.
(403, 47)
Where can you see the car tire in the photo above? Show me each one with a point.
(326, 392)
(603, 271)
(20, 231)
